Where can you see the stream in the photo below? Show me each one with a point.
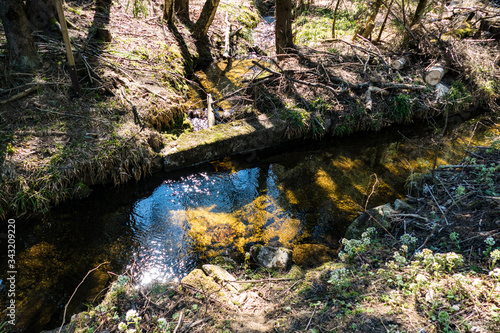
(162, 227)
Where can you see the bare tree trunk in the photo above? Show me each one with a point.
(182, 9)
(335, 18)
(283, 27)
(200, 29)
(20, 44)
(422, 4)
(370, 23)
(168, 11)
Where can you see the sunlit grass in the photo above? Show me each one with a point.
(315, 26)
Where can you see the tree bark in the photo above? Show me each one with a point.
(20, 44)
(335, 18)
(200, 29)
(182, 9)
(41, 14)
(168, 11)
(422, 4)
(283, 28)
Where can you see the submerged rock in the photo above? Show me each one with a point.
(311, 255)
(272, 257)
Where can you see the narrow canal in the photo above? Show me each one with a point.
(164, 226)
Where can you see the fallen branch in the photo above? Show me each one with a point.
(316, 85)
(359, 48)
(20, 95)
(260, 281)
(387, 85)
(227, 44)
(179, 322)
(411, 215)
(137, 117)
(73, 115)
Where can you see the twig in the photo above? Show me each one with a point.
(179, 322)
(73, 115)
(373, 188)
(399, 20)
(260, 281)
(310, 319)
(359, 48)
(411, 215)
(296, 80)
(252, 84)
(435, 201)
(20, 95)
(74, 292)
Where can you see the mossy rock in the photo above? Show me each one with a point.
(197, 279)
(375, 217)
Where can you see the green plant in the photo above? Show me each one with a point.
(402, 107)
(354, 247)
(495, 256)
(460, 191)
(495, 274)
(139, 7)
(458, 97)
(455, 237)
(487, 175)
(339, 278)
(489, 245)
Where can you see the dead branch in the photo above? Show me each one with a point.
(399, 20)
(179, 322)
(74, 292)
(20, 95)
(359, 48)
(227, 44)
(72, 115)
(260, 281)
(137, 117)
(316, 85)
(387, 85)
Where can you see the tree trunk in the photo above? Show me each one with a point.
(168, 11)
(335, 17)
(182, 9)
(283, 28)
(20, 44)
(200, 29)
(370, 23)
(41, 14)
(422, 4)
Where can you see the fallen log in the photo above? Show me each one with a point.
(434, 75)
(400, 63)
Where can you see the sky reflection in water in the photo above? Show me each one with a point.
(160, 220)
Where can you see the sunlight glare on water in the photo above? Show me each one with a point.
(161, 220)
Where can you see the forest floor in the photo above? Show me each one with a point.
(133, 71)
